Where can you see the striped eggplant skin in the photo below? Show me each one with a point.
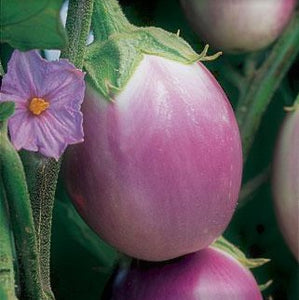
(238, 25)
(207, 274)
(159, 172)
(285, 181)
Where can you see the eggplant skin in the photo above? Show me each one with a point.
(238, 25)
(159, 172)
(207, 274)
(285, 181)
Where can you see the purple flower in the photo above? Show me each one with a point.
(48, 97)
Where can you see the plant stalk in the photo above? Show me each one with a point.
(7, 274)
(255, 101)
(78, 27)
(108, 19)
(42, 173)
(16, 191)
(1, 69)
(252, 186)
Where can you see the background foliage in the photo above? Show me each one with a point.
(32, 24)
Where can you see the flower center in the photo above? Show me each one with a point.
(38, 105)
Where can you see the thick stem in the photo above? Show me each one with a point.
(252, 106)
(42, 173)
(14, 182)
(108, 19)
(7, 274)
(78, 27)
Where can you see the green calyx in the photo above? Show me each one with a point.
(250, 263)
(119, 48)
(294, 107)
(222, 244)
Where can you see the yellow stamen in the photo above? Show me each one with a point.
(38, 105)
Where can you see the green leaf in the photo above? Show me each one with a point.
(32, 24)
(15, 11)
(6, 110)
(81, 262)
(78, 231)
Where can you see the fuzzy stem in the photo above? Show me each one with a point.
(108, 19)
(254, 103)
(13, 176)
(7, 274)
(78, 27)
(42, 172)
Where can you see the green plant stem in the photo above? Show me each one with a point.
(253, 104)
(78, 27)
(42, 173)
(13, 177)
(250, 65)
(42, 176)
(250, 187)
(7, 274)
(1, 69)
(233, 76)
(108, 19)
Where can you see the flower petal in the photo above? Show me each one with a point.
(64, 85)
(59, 83)
(68, 123)
(54, 131)
(49, 142)
(18, 100)
(21, 130)
(24, 77)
